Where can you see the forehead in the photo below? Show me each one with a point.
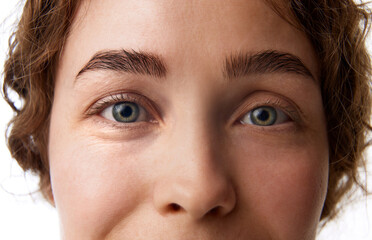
(204, 31)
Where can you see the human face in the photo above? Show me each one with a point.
(220, 148)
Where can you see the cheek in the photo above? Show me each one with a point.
(285, 185)
(94, 183)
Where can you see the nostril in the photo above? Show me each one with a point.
(175, 207)
(214, 211)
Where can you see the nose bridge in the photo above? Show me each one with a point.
(197, 134)
(195, 182)
(196, 139)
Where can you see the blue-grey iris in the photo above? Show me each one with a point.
(125, 112)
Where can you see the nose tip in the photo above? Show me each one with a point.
(216, 201)
(197, 200)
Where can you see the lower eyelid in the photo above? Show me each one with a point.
(116, 127)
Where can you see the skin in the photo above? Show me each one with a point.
(194, 171)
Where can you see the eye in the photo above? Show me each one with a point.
(125, 112)
(265, 116)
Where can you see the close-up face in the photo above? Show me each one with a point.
(187, 120)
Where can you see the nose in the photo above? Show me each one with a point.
(195, 180)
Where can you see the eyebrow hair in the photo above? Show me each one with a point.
(124, 61)
(270, 61)
(236, 65)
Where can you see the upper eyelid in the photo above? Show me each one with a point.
(292, 111)
(112, 99)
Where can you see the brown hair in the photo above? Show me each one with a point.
(34, 49)
(337, 29)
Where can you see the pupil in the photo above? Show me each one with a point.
(126, 111)
(263, 115)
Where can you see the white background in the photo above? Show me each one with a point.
(23, 216)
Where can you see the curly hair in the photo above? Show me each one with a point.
(336, 28)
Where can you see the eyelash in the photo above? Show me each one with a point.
(115, 98)
(101, 105)
(112, 99)
(276, 103)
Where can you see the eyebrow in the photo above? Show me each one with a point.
(270, 61)
(236, 65)
(134, 62)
